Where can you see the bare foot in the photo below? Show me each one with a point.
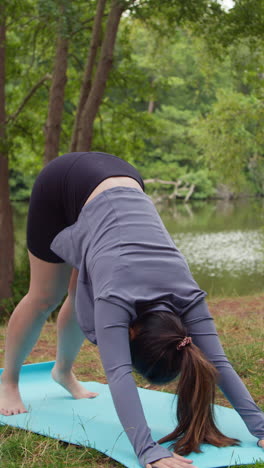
(71, 384)
(10, 400)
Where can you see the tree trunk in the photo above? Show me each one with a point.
(99, 83)
(151, 107)
(56, 101)
(87, 80)
(6, 221)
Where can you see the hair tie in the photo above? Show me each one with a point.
(186, 341)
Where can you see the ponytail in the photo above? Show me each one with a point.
(196, 394)
(158, 353)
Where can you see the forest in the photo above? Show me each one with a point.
(175, 87)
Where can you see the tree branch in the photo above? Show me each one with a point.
(89, 69)
(28, 96)
(189, 194)
(165, 182)
(177, 191)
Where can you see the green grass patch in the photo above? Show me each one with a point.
(19, 448)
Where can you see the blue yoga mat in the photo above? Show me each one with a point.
(94, 423)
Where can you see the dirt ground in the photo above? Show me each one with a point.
(237, 306)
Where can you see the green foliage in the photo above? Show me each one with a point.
(204, 183)
(19, 287)
(164, 15)
(20, 185)
(231, 137)
(246, 19)
(171, 107)
(32, 29)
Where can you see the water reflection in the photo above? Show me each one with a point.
(218, 253)
(223, 243)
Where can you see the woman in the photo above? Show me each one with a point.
(135, 298)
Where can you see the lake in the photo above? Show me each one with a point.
(223, 242)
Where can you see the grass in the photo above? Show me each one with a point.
(25, 449)
(240, 324)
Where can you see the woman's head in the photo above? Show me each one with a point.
(153, 345)
(160, 351)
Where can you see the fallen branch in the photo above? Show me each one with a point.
(189, 194)
(161, 181)
(178, 191)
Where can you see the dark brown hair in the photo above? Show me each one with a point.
(154, 355)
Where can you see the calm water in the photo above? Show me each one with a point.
(222, 241)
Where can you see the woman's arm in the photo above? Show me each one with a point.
(200, 326)
(112, 334)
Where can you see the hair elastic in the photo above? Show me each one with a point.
(186, 341)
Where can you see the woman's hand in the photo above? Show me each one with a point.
(261, 443)
(176, 461)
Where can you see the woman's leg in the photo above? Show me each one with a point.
(48, 285)
(70, 339)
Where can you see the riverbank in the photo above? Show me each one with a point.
(240, 324)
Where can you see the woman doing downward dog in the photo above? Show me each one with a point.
(134, 297)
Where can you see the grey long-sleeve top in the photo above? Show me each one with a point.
(128, 262)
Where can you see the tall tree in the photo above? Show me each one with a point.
(97, 89)
(169, 12)
(89, 68)
(10, 14)
(6, 223)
